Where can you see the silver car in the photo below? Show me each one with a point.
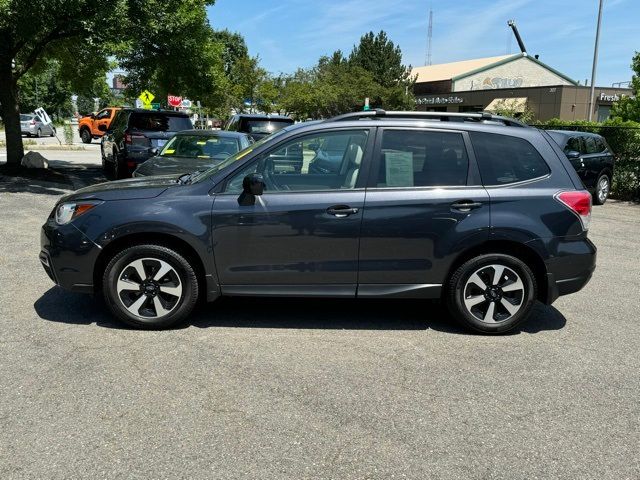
(31, 125)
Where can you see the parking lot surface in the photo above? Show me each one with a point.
(257, 388)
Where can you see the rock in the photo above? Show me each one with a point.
(34, 160)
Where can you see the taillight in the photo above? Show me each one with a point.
(127, 138)
(578, 202)
(32, 122)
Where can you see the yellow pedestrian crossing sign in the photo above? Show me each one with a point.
(146, 97)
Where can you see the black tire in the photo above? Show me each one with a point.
(603, 188)
(39, 133)
(460, 281)
(117, 268)
(85, 136)
(53, 132)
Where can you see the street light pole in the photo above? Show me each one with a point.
(595, 63)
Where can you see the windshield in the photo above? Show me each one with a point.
(233, 158)
(159, 122)
(200, 146)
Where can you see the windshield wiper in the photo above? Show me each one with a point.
(186, 178)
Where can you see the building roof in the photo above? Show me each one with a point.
(447, 71)
(457, 70)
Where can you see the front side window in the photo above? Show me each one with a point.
(103, 114)
(590, 145)
(504, 159)
(324, 161)
(574, 145)
(197, 146)
(413, 158)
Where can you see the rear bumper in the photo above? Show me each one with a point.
(571, 269)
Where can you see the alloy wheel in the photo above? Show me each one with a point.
(603, 188)
(149, 288)
(494, 293)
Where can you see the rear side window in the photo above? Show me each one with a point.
(503, 159)
(157, 122)
(600, 146)
(574, 145)
(413, 158)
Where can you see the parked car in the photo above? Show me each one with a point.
(194, 150)
(31, 125)
(257, 125)
(475, 209)
(591, 157)
(135, 135)
(89, 125)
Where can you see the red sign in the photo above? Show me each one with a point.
(174, 101)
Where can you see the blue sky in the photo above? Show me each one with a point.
(287, 34)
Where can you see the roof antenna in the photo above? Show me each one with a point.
(512, 24)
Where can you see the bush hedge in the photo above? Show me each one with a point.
(624, 139)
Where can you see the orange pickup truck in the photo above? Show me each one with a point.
(89, 125)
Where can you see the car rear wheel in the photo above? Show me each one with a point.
(85, 136)
(492, 293)
(53, 132)
(150, 286)
(118, 167)
(603, 187)
(39, 133)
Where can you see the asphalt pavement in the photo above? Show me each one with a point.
(292, 389)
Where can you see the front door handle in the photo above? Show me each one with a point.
(341, 211)
(465, 205)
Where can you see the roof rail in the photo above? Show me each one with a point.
(441, 116)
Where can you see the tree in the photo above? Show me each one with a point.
(83, 34)
(378, 55)
(629, 108)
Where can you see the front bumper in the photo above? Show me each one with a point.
(68, 256)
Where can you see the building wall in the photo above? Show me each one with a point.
(520, 73)
(560, 101)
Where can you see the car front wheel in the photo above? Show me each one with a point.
(150, 286)
(492, 293)
(603, 187)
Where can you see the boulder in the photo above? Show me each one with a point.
(34, 160)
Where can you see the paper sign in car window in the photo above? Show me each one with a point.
(168, 152)
(399, 168)
(201, 143)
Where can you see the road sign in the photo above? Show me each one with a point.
(186, 103)
(146, 97)
(43, 116)
(174, 100)
(155, 106)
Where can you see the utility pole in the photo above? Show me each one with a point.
(595, 63)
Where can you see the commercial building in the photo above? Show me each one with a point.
(517, 81)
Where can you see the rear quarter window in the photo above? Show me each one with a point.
(503, 159)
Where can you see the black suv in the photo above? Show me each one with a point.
(592, 158)
(135, 135)
(478, 210)
(257, 125)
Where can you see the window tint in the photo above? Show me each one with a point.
(412, 158)
(573, 145)
(590, 145)
(504, 159)
(158, 122)
(600, 146)
(325, 161)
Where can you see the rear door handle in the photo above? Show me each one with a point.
(341, 211)
(465, 205)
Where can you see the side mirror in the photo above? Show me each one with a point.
(102, 127)
(153, 151)
(252, 186)
(573, 154)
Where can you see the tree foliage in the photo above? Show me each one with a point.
(629, 108)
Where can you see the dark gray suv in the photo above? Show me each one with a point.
(478, 210)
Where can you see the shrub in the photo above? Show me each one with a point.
(68, 133)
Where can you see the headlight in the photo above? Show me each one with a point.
(65, 212)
